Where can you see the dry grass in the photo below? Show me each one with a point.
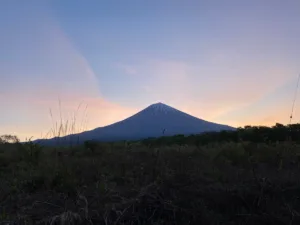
(240, 183)
(63, 127)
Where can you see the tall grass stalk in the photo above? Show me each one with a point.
(67, 127)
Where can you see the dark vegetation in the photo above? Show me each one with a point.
(256, 134)
(250, 176)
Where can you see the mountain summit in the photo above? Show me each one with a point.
(154, 121)
(160, 108)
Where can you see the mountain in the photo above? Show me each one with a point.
(154, 121)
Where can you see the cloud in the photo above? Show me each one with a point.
(44, 61)
(226, 81)
(250, 100)
(223, 88)
(230, 82)
(274, 106)
(165, 80)
(36, 115)
(40, 66)
(156, 80)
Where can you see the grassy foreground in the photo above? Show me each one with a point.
(229, 183)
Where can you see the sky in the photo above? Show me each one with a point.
(234, 62)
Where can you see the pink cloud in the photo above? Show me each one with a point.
(206, 92)
(49, 68)
(88, 112)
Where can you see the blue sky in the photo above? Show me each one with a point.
(234, 62)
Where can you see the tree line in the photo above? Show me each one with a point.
(256, 134)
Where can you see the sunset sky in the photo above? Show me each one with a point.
(233, 62)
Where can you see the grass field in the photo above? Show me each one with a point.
(230, 183)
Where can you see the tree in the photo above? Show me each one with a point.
(6, 139)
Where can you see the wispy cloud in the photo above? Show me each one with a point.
(274, 106)
(41, 67)
(233, 73)
(205, 91)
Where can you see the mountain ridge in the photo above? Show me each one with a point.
(148, 122)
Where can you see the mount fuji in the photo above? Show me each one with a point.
(154, 121)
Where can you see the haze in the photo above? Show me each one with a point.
(233, 62)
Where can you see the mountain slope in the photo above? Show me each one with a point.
(154, 121)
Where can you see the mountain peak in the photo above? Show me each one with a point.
(158, 104)
(149, 123)
(160, 107)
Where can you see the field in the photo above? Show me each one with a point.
(134, 183)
